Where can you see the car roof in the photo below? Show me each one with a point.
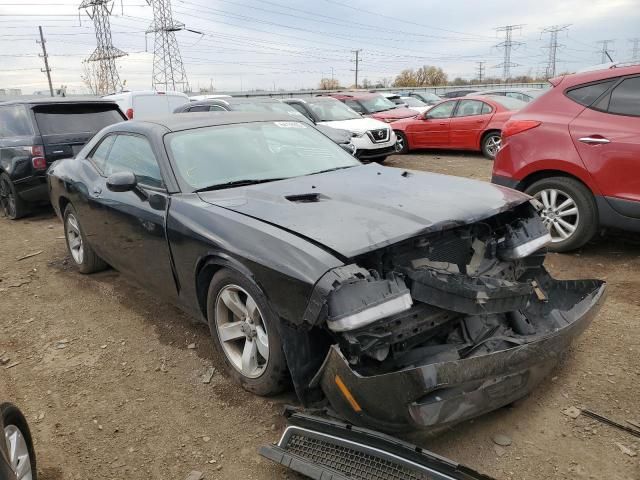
(322, 99)
(187, 121)
(235, 101)
(55, 100)
(595, 75)
(353, 95)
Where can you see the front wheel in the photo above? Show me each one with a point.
(19, 445)
(491, 144)
(402, 146)
(568, 210)
(245, 333)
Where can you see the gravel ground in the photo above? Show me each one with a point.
(110, 377)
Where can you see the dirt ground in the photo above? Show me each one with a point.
(110, 377)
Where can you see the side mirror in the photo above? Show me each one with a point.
(426, 116)
(122, 181)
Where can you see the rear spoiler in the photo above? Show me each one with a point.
(326, 449)
(556, 81)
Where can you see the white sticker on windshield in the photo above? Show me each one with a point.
(290, 125)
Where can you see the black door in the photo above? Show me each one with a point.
(128, 228)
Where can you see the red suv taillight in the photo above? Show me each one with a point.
(37, 157)
(513, 127)
(130, 113)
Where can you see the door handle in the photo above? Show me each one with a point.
(594, 140)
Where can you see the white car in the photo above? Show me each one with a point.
(143, 104)
(374, 140)
(411, 103)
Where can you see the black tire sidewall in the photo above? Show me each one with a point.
(273, 380)
(405, 147)
(19, 208)
(485, 139)
(585, 203)
(11, 415)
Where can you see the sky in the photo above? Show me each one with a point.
(280, 44)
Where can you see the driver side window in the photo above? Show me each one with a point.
(354, 106)
(444, 110)
(132, 153)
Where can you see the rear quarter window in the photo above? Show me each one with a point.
(625, 98)
(588, 94)
(14, 122)
(59, 119)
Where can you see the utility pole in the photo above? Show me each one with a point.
(107, 79)
(635, 48)
(480, 71)
(357, 60)
(168, 69)
(46, 70)
(507, 45)
(553, 47)
(605, 51)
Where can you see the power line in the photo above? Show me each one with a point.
(553, 47)
(605, 51)
(507, 45)
(357, 61)
(47, 70)
(105, 76)
(168, 69)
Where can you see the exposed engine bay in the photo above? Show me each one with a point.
(445, 296)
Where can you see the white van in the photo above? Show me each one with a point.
(143, 104)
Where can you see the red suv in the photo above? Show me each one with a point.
(374, 105)
(577, 150)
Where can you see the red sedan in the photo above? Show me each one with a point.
(468, 123)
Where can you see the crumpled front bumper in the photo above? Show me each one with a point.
(437, 395)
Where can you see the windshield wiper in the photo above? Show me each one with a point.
(236, 183)
(331, 169)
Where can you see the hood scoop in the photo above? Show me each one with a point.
(306, 197)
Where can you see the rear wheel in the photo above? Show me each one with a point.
(491, 144)
(11, 204)
(19, 445)
(569, 211)
(81, 252)
(402, 146)
(245, 333)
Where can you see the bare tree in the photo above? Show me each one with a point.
(329, 84)
(89, 76)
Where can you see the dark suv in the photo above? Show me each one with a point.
(36, 132)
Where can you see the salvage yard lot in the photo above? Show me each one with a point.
(112, 380)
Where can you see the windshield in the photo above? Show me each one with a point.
(258, 151)
(273, 107)
(328, 111)
(376, 104)
(428, 96)
(508, 102)
(413, 102)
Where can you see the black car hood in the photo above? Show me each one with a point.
(364, 208)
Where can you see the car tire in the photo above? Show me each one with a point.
(401, 143)
(266, 374)
(574, 196)
(16, 432)
(79, 249)
(490, 144)
(11, 204)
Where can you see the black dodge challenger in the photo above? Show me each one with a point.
(403, 299)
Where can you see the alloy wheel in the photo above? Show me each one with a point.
(493, 145)
(242, 331)
(399, 143)
(7, 200)
(74, 239)
(18, 452)
(559, 213)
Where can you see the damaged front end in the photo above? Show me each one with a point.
(446, 326)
